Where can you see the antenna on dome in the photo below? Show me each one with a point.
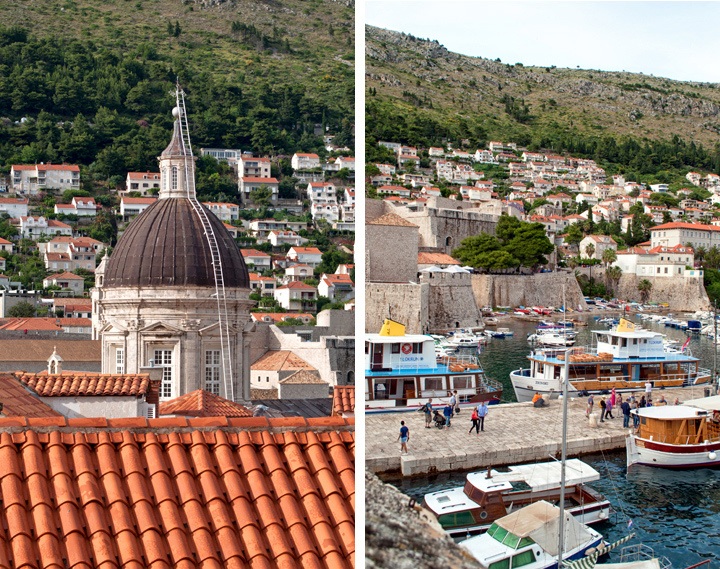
(212, 240)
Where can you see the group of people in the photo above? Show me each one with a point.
(444, 419)
(626, 406)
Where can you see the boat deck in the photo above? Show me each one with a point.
(515, 433)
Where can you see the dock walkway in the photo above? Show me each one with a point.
(515, 433)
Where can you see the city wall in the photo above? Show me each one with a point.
(451, 302)
(540, 289)
(406, 303)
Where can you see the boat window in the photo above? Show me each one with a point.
(635, 341)
(524, 558)
(367, 347)
(462, 382)
(502, 564)
(434, 383)
(511, 540)
(458, 519)
(540, 367)
(525, 541)
(417, 348)
(395, 348)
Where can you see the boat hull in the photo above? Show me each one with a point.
(651, 453)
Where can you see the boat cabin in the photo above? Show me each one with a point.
(639, 344)
(678, 425)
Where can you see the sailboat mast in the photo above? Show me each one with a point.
(563, 451)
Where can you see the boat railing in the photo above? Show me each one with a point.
(641, 552)
(466, 360)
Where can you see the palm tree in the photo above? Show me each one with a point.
(589, 250)
(700, 253)
(644, 287)
(609, 256)
(613, 274)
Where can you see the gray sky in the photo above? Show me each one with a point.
(678, 40)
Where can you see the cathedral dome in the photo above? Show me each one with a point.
(166, 246)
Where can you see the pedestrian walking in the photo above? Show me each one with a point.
(635, 417)
(603, 408)
(648, 389)
(453, 402)
(590, 403)
(404, 437)
(609, 410)
(428, 414)
(625, 406)
(482, 411)
(447, 413)
(475, 423)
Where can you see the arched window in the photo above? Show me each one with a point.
(351, 378)
(448, 241)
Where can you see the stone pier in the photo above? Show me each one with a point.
(515, 433)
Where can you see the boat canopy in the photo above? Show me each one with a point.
(539, 477)
(707, 403)
(540, 522)
(408, 338)
(670, 412)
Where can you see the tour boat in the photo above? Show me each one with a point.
(490, 495)
(403, 372)
(624, 358)
(677, 436)
(528, 537)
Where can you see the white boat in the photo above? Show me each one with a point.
(546, 338)
(465, 340)
(624, 358)
(677, 436)
(402, 371)
(487, 496)
(528, 537)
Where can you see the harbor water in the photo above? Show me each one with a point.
(677, 513)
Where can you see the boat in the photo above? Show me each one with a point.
(677, 436)
(528, 537)
(547, 338)
(487, 496)
(402, 371)
(502, 333)
(624, 358)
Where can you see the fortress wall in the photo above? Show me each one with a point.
(451, 302)
(541, 289)
(406, 303)
(687, 294)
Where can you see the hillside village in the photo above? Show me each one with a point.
(298, 251)
(443, 195)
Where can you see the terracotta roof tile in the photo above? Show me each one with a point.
(79, 384)
(169, 498)
(280, 360)
(200, 403)
(32, 350)
(303, 376)
(17, 401)
(343, 399)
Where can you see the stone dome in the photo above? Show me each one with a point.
(166, 246)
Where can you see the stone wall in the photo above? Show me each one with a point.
(401, 534)
(451, 302)
(687, 294)
(391, 253)
(406, 303)
(375, 209)
(541, 289)
(444, 229)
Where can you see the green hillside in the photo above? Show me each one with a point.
(90, 82)
(419, 92)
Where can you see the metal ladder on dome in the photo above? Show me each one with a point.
(223, 325)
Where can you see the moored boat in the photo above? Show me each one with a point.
(488, 496)
(677, 436)
(624, 358)
(402, 371)
(528, 537)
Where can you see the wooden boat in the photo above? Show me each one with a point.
(677, 436)
(624, 358)
(402, 371)
(490, 495)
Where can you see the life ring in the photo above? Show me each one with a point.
(406, 348)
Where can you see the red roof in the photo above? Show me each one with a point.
(297, 285)
(306, 250)
(253, 253)
(255, 179)
(685, 225)
(80, 384)
(177, 492)
(201, 403)
(19, 402)
(343, 399)
(138, 201)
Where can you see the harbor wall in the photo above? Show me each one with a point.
(452, 303)
(406, 303)
(682, 294)
(540, 289)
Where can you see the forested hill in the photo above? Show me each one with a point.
(90, 82)
(421, 93)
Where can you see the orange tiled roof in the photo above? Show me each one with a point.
(79, 384)
(19, 402)
(32, 350)
(425, 258)
(343, 399)
(201, 403)
(177, 492)
(276, 360)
